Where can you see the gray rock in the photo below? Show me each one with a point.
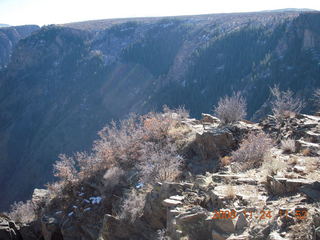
(171, 203)
(242, 222)
(218, 236)
(8, 229)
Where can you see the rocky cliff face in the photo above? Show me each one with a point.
(63, 83)
(9, 37)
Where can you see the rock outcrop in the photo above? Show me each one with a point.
(9, 37)
(8, 229)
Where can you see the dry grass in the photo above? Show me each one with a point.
(179, 131)
(302, 230)
(293, 160)
(288, 146)
(225, 161)
(312, 165)
(272, 166)
(314, 176)
(306, 152)
(180, 134)
(230, 191)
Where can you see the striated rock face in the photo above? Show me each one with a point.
(310, 39)
(9, 37)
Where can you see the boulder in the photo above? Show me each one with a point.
(207, 118)
(8, 229)
(280, 186)
(241, 223)
(225, 225)
(193, 222)
(114, 228)
(155, 206)
(312, 191)
(208, 143)
(39, 195)
(171, 202)
(216, 235)
(50, 228)
(275, 236)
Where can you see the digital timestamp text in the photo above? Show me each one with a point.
(300, 214)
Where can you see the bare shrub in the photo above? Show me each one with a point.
(231, 109)
(88, 164)
(285, 103)
(159, 163)
(316, 97)
(179, 113)
(306, 152)
(65, 169)
(22, 212)
(126, 145)
(132, 206)
(230, 192)
(251, 151)
(288, 146)
(273, 166)
(121, 144)
(137, 144)
(54, 188)
(113, 176)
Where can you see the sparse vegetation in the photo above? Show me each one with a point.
(251, 151)
(225, 161)
(302, 230)
(285, 103)
(288, 146)
(64, 169)
(272, 166)
(113, 176)
(22, 212)
(138, 150)
(316, 96)
(230, 191)
(231, 109)
(132, 206)
(159, 164)
(140, 143)
(306, 152)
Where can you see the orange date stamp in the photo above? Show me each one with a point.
(300, 214)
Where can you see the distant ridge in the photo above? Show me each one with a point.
(100, 24)
(291, 10)
(4, 25)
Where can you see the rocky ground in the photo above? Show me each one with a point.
(278, 200)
